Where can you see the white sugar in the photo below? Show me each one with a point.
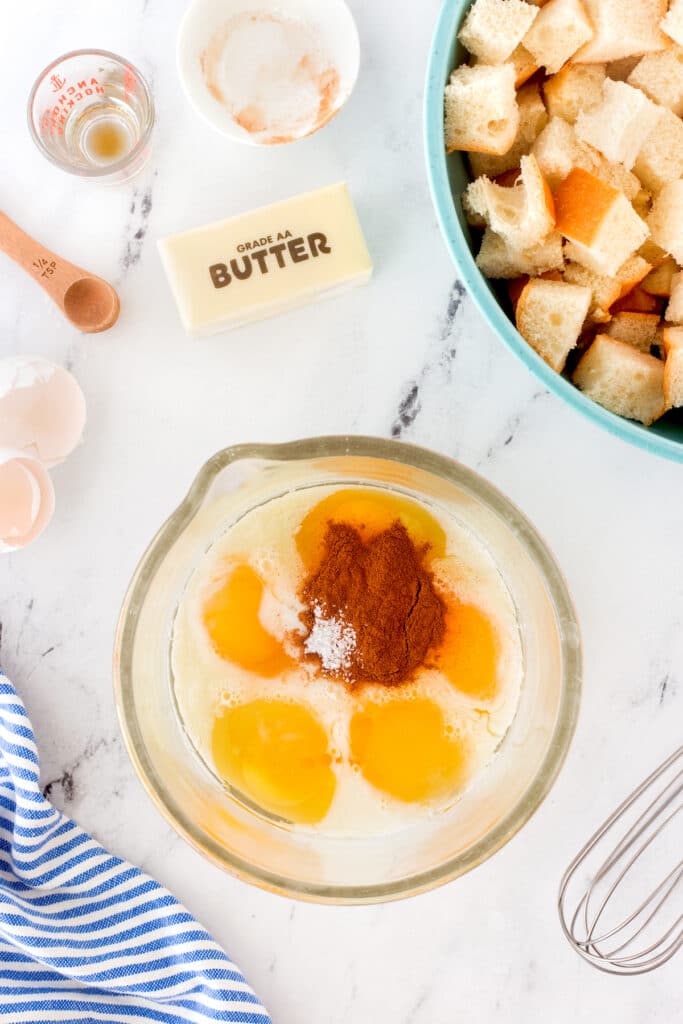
(332, 640)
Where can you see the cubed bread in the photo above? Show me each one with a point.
(516, 286)
(631, 273)
(637, 329)
(637, 301)
(641, 203)
(654, 254)
(672, 338)
(493, 28)
(532, 119)
(498, 260)
(619, 125)
(576, 87)
(622, 28)
(622, 379)
(619, 70)
(672, 343)
(674, 310)
(562, 26)
(559, 151)
(481, 112)
(522, 215)
(524, 64)
(605, 291)
(666, 220)
(617, 176)
(472, 215)
(661, 158)
(659, 280)
(660, 77)
(672, 23)
(550, 315)
(599, 220)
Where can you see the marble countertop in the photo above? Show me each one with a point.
(407, 356)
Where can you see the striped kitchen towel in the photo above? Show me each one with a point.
(84, 936)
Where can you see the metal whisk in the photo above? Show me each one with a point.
(620, 899)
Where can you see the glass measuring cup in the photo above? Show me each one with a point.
(91, 113)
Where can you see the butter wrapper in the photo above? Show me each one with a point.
(261, 263)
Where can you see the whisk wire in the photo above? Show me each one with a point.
(650, 813)
(620, 877)
(592, 920)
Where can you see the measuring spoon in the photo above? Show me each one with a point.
(88, 302)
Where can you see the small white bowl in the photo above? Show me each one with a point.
(264, 72)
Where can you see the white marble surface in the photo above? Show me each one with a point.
(487, 947)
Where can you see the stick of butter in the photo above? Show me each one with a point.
(260, 263)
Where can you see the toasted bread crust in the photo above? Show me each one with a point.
(639, 392)
(581, 203)
(658, 281)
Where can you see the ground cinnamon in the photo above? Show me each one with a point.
(383, 591)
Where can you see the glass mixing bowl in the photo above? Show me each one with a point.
(271, 854)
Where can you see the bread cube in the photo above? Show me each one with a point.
(622, 28)
(672, 23)
(672, 338)
(674, 310)
(522, 215)
(481, 112)
(666, 220)
(559, 151)
(574, 88)
(641, 203)
(622, 379)
(550, 316)
(637, 301)
(562, 26)
(496, 259)
(654, 254)
(660, 77)
(494, 28)
(672, 343)
(619, 70)
(641, 330)
(658, 281)
(661, 158)
(619, 125)
(532, 119)
(605, 291)
(618, 177)
(599, 220)
(524, 64)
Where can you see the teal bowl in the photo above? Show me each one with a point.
(448, 177)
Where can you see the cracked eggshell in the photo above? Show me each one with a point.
(27, 499)
(42, 408)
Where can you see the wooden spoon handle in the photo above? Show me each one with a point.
(52, 273)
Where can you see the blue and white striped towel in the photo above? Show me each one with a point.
(84, 936)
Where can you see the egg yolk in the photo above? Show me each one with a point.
(402, 747)
(231, 618)
(469, 653)
(370, 512)
(276, 753)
